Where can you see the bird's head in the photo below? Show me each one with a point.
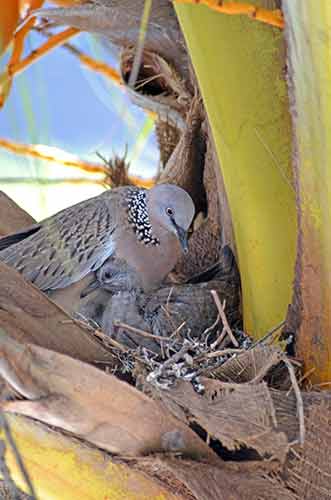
(172, 208)
(115, 276)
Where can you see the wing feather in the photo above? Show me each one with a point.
(68, 245)
(7, 241)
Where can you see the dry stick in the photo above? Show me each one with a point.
(222, 352)
(211, 327)
(216, 354)
(164, 308)
(148, 335)
(296, 454)
(141, 41)
(221, 312)
(178, 329)
(177, 356)
(219, 338)
(304, 377)
(298, 395)
(4, 424)
(169, 296)
(323, 384)
(105, 338)
(267, 335)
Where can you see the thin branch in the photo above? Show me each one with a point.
(142, 333)
(110, 341)
(222, 352)
(219, 338)
(267, 335)
(176, 357)
(178, 329)
(211, 327)
(298, 395)
(221, 312)
(306, 375)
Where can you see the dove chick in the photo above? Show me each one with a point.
(162, 312)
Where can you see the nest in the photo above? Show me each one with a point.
(181, 357)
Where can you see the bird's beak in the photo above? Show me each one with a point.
(182, 236)
(89, 289)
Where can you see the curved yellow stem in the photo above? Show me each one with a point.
(240, 68)
(62, 468)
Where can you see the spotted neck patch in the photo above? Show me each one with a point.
(138, 217)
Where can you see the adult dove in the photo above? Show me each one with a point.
(145, 228)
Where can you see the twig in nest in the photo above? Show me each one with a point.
(167, 312)
(118, 324)
(110, 341)
(323, 384)
(226, 326)
(168, 370)
(178, 329)
(4, 424)
(222, 352)
(211, 327)
(304, 377)
(169, 296)
(263, 339)
(144, 81)
(177, 356)
(298, 396)
(219, 339)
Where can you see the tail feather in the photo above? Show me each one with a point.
(11, 239)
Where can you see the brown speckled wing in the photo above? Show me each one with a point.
(67, 246)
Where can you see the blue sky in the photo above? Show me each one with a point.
(59, 103)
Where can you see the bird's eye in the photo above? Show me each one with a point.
(170, 211)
